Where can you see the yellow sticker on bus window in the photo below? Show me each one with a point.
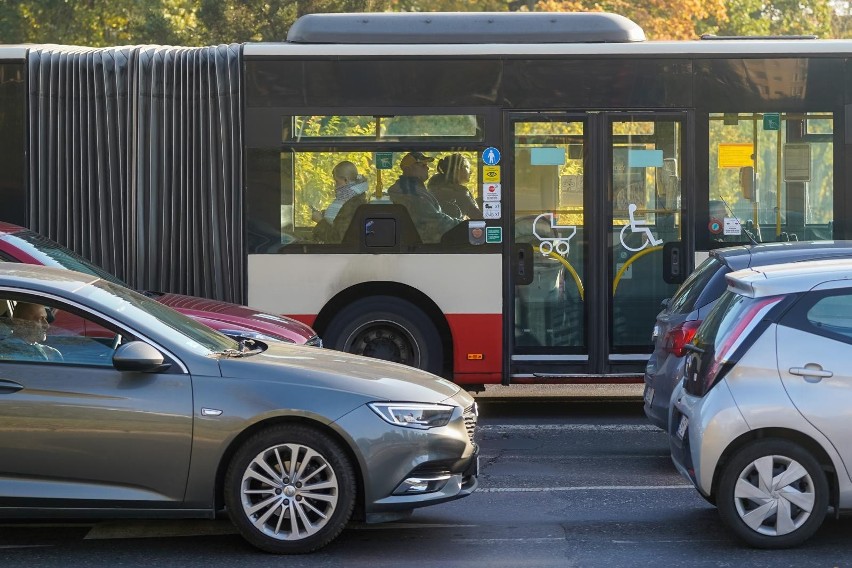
(491, 174)
(736, 155)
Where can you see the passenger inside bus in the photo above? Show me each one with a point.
(410, 191)
(448, 187)
(350, 188)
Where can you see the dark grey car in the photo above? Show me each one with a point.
(682, 315)
(123, 407)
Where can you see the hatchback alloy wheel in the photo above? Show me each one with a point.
(773, 494)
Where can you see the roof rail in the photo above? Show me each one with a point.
(464, 27)
(715, 37)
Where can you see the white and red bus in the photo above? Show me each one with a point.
(602, 167)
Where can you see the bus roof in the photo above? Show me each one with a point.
(464, 27)
(12, 52)
(739, 48)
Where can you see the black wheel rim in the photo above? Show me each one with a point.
(384, 340)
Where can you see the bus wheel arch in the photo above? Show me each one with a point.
(346, 313)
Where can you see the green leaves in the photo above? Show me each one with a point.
(204, 22)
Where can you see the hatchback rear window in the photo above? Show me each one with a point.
(704, 285)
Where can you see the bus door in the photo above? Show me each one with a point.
(597, 226)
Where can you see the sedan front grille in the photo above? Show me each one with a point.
(471, 415)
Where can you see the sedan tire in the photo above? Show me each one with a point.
(290, 489)
(773, 494)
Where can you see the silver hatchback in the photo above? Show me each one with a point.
(760, 424)
(123, 407)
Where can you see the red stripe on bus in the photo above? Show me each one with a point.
(481, 334)
(306, 319)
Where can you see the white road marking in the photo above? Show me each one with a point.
(498, 540)
(569, 427)
(404, 525)
(584, 488)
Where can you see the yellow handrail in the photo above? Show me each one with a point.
(630, 261)
(570, 268)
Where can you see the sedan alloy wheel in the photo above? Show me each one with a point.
(290, 489)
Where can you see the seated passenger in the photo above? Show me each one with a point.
(350, 188)
(448, 187)
(410, 191)
(28, 332)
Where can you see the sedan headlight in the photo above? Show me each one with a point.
(414, 415)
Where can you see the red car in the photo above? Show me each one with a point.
(18, 244)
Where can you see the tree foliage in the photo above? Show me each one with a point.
(201, 22)
(780, 17)
(672, 19)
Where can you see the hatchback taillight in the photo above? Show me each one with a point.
(680, 336)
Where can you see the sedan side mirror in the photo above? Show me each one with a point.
(140, 357)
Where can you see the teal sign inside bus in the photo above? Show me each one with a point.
(384, 160)
(772, 121)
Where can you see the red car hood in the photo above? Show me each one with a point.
(225, 316)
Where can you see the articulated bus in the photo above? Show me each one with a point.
(602, 168)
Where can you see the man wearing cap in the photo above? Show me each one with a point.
(410, 191)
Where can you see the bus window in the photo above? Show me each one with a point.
(771, 177)
(323, 190)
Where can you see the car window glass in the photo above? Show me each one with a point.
(688, 294)
(833, 314)
(43, 332)
(722, 319)
(50, 253)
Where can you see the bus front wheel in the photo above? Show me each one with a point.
(389, 328)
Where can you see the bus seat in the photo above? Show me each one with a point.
(381, 227)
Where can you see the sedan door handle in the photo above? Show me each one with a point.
(811, 370)
(8, 387)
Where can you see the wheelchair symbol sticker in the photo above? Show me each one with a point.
(637, 226)
(548, 244)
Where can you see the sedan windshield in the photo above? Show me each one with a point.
(50, 253)
(143, 313)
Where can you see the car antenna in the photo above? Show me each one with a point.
(746, 231)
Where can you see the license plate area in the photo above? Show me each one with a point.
(681, 428)
(649, 395)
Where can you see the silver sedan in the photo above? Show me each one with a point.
(113, 405)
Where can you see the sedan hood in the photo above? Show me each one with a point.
(235, 316)
(325, 368)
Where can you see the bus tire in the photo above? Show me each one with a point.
(389, 328)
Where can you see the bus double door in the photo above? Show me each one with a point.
(596, 199)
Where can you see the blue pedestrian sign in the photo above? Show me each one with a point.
(491, 156)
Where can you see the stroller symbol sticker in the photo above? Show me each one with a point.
(561, 244)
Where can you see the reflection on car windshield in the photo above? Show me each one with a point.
(53, 254)
(141, 310)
